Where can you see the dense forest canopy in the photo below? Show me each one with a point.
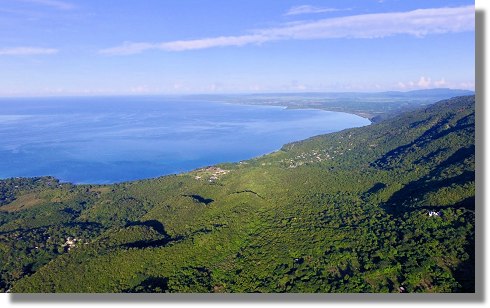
(385, 208)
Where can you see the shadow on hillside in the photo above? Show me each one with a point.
(150, 285)
(431, 134)
(405, 199)
(158, 227)
(154, 224)
(465, 273)
(200, 199)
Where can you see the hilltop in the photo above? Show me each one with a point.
(343, 212)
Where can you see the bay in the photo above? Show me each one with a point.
(102, 140)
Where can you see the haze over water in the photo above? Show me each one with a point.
(108, 140)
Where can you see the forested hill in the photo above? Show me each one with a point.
(343, 212)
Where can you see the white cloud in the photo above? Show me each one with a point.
(467, 85)
(221, 41)
(56, 4)
(296, 86)
(309, 9)
(401, 85)
(128, 48)
(256, 88)
(440, 83)
(140, 89)
(424, 82)
(417, 23)
(27, 51)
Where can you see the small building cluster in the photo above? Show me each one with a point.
(70, 243)
(314, 156)
(210, 174)
(434, 214)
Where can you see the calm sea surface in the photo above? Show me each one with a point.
(108, 140)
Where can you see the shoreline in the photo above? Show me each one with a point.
(363, 114)
(105, 182)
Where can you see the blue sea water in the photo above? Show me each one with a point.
(109, 140)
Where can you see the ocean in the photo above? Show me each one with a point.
(101, 140)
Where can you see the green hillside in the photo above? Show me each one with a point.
(343, 212)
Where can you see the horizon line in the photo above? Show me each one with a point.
(223, 93)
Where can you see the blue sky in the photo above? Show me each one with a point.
(119, 47)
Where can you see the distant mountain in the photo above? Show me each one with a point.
(439, 92)
(385, 208)
(447, 92)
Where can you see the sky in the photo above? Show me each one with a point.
(124, 47)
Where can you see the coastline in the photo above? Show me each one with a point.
(356, 107)
(283, 127)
